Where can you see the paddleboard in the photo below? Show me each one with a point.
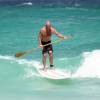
(53, 73)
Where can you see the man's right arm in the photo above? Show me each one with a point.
(39, 39)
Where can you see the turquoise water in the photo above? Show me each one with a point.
(19, 27)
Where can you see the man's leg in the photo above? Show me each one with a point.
(44, 60)
(51, 58)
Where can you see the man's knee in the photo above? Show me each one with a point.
(50, 52)
(44, 55)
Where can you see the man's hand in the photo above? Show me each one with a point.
(68, 37)
(65, 37)
(41, 46)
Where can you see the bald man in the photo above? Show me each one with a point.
(45, 38)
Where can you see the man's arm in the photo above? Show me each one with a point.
(58, 34)
(39, 39)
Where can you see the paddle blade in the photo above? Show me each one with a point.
(19, 54)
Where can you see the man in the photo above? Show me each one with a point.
(44, 39)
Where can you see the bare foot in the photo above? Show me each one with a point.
(43, 69)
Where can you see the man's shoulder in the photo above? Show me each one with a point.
(42, 29)
(53, 29)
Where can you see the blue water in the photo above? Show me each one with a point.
(19, 28)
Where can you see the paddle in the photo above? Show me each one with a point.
(19, 54)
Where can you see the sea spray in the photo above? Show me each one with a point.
(91, 65)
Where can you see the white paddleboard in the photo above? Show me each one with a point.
(52, 73)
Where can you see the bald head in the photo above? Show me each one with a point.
(48, 24)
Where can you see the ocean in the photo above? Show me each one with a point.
(20, 24)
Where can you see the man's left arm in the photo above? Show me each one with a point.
(58, 34)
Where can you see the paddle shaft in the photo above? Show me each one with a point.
(29, 51)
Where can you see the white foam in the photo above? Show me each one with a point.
(6, 57)
(62, 59)
(27, 3)
(29, 72)
(77, 5)
(90, 67)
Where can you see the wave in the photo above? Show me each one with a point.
(76, 3)
(22, 64)
(89, 68)
(25, 4)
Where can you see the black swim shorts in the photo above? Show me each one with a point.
(47, 48)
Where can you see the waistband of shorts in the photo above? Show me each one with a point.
(43, 42)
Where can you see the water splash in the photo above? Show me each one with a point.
(90, 67)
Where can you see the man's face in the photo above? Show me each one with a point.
(48, 25)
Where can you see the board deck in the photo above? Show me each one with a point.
(52, 73)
